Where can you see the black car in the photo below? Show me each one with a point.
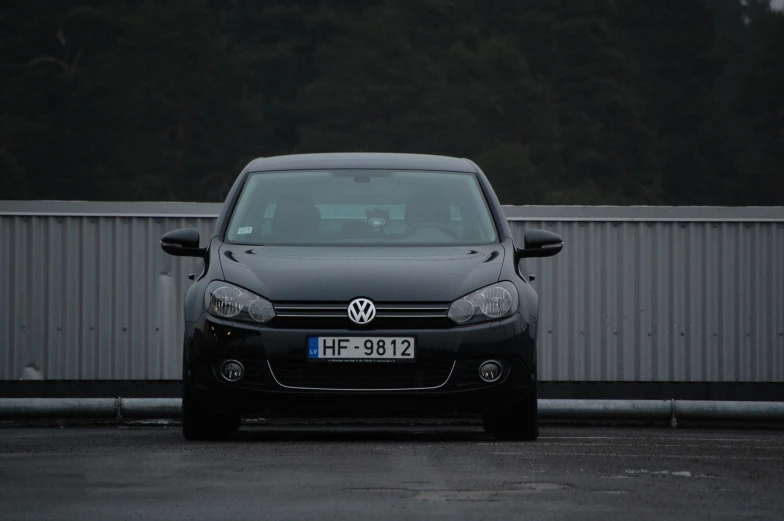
(362, 284)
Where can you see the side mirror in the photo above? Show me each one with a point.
(540, 243)
(183, 243)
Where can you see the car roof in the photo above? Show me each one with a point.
(366, 160)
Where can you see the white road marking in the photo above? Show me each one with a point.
(652, 456)
(637, 440)
(681, 445)
(583, 437)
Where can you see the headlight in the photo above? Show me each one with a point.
(491, 303)
(226, 300)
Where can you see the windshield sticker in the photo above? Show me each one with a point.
(245, 230)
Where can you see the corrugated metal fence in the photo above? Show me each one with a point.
(638, 293)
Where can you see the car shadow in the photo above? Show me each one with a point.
(337, 432)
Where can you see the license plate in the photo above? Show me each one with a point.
(361, 348)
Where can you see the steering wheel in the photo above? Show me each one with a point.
(444, 228)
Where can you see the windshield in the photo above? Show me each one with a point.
(361, 207)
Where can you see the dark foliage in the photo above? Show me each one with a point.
(561, 102)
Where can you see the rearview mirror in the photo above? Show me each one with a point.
(183, 243)
(540, 243)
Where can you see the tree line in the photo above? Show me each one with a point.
(676, 102)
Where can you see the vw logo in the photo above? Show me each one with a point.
(361, 311)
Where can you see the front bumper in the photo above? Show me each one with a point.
(279, 379)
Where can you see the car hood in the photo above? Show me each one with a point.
(392, 274)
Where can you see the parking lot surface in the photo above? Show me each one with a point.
(390, 471)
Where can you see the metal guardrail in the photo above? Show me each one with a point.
(118, 408)
(672, 410)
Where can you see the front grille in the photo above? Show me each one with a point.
(468, 375)
(255, 373)
(359, 375)
(334, 315)
(340, 310)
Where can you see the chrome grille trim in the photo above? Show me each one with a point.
(412, 308)
(309, 307)
(311, 315)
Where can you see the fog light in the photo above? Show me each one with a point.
(232, 370)
(490, 371)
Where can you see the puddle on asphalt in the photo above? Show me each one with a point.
(680, 473)
(471, 495)
(542, 486)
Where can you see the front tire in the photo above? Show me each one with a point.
(198, 423)
(521, 423)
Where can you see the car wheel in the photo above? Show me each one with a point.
(232, 423)
(519, 424)
(199, 424)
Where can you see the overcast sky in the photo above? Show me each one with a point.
(777, 4)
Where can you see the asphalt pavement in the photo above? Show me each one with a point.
(390, 471)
